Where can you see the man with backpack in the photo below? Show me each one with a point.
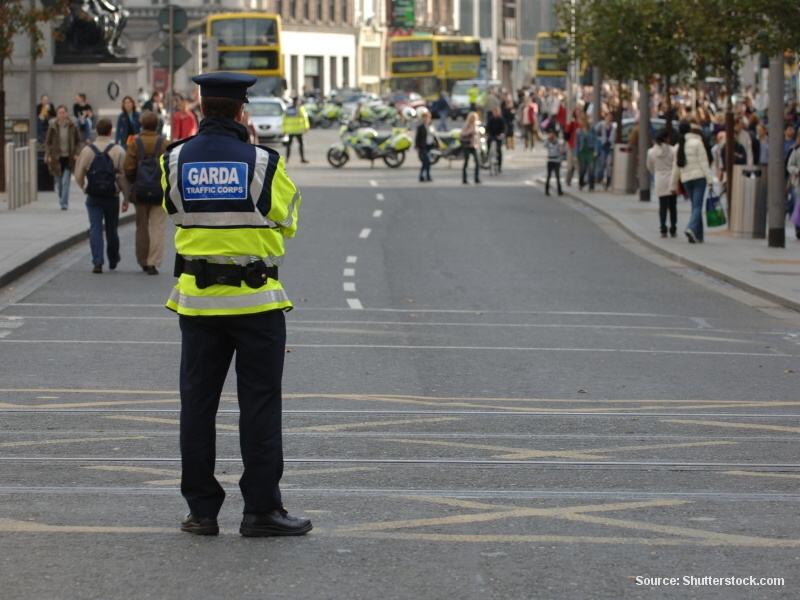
(99, 172)
(143, 171)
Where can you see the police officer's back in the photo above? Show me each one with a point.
(233, 204)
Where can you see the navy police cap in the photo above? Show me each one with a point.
(225, 85)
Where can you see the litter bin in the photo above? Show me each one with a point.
(748, 216)
(623, 174)
(44, 181)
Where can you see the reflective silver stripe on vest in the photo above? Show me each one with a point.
(219, 219)
(222, 302)
(236, 260)
(290, 210)
(175, 186)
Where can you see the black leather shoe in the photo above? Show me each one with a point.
(113, 265)
(151, 270)
(276, 522)
(97, 269)
(199, 526)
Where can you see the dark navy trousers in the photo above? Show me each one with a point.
(208, 347)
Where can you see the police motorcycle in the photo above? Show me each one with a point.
(450, 147)
(312, 108)
(329, 114)
(373, 115)
(367, 144)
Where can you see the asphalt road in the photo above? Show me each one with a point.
(489, 394)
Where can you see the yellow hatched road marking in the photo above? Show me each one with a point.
(70, 441)
(508, 453)
(346, 426)
(734, 425)
(754, 474)
(165, 421)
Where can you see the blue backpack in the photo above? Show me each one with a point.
(101, 178)
(148, 174)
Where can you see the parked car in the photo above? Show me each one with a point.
(656, 125)
(402, 99)
(266, 116)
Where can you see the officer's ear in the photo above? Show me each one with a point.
(239, 114)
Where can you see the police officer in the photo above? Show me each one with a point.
(233, 204)
(295, 124)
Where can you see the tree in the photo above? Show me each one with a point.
(17, 17)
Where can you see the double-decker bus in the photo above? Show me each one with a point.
(427, 65)
(248, 43)
(549, 70)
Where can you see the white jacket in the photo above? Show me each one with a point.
(696, 166)
(659, 163)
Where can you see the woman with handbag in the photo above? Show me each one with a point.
(691, 167)
(469, 143)
(659, 162)
(128, 124)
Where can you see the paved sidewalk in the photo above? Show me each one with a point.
(38, 231)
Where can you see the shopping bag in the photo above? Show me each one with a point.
(794, 219)
(715, 215)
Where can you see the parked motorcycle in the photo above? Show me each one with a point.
(329, 114)
(373, 115)
(451, 149)
(367, 144)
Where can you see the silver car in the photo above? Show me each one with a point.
(266, 116)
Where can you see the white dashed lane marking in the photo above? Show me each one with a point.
(379, 197)
(349, 286)
(377, 213)
(349, 273)
(354, 303)
(351, 260)
(365, 233)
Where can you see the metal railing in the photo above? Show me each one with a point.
(18, 175)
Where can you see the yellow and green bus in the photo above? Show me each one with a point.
(549, 71)
(247, 43)
(432, 63)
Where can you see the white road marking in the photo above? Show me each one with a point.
(365, 233)
(349, 273)
(373, 183)
(349, 286)
(354, 303)
(351, 260)
(379, 197)
(377, 213)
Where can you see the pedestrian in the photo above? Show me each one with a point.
(763, 142)
(62, 144)
(659, 162)
(156, 106)
(586, 148)
(509, 116)
(606, 136)
(443, 107)
(529, 119)
(101, 174)
(295, 124)
(793, 182)
(44, 112)
(691, 166)
(424, 141)
(571, 135)
(82, 111)
(229, 300)
(143, 172)
(496, 131)
(470, 138)
(473, 94)
(555, 154)
(127, 123)
(184, 123)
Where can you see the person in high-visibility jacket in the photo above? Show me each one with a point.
(233, 204)
(295, 124)
(472, 96)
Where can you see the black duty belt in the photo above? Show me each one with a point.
(254, 274)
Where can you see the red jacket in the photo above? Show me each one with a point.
(184, 124)
(571, 132)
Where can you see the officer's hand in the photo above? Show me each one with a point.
(124, 206)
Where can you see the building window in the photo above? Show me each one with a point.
(345, 71)
(333, 76)
(331, 11)
(306, 10)
(292, 9)
(510, 29)
(344, 11)
(319, 10)
(279, 7)
(371, 65)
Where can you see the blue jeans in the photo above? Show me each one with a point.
(62, 184)
(103, 209)
(425, 169)
(696, 189)
(443, 120)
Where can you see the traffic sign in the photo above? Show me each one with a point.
(180, 55)
(179, 18)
